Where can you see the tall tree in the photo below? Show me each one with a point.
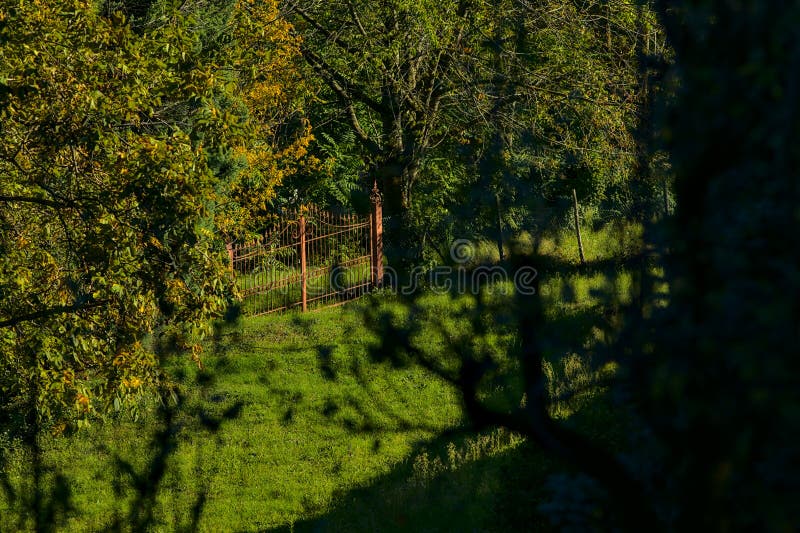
(393, 68)
(455, 99)
(115, 182)
(707, 374)
(716, 371)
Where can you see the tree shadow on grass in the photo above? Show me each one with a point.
(463, 480)
(472, 481)
(459, 481)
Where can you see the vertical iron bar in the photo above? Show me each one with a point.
(377, 236)
(303, 288)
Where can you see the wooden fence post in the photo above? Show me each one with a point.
(499, 228)
(376, 234)
(303, 288)
(578, 226)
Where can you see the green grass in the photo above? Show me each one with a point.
(601, 241)
(605, 241)
(314, 435)
(325, 438)
(317, 418)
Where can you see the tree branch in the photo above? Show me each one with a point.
(356, 19)
(326, 32)
(58, 310)
(343, 85)
(32, 200)
(347, 100)
(362, 136)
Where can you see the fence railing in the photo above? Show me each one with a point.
(310, 258)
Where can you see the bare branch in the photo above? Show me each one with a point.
(356, 19)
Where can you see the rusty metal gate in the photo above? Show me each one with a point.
(310, 258)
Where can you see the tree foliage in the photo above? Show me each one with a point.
(126, 151)
(390, 67)
(266, 59)
(706, 370)
(497, 103)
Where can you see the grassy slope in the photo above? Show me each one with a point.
(325, 438)
(317, 418)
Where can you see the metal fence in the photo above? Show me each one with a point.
(310, 258)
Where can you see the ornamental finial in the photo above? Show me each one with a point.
(375, 194)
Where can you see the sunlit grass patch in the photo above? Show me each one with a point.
(601, 241)
(328, 436)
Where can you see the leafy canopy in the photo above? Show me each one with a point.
(123, 155)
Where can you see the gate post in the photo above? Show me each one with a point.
(303, 290)
(376, 235)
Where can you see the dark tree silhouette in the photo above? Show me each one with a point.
(711, 379)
